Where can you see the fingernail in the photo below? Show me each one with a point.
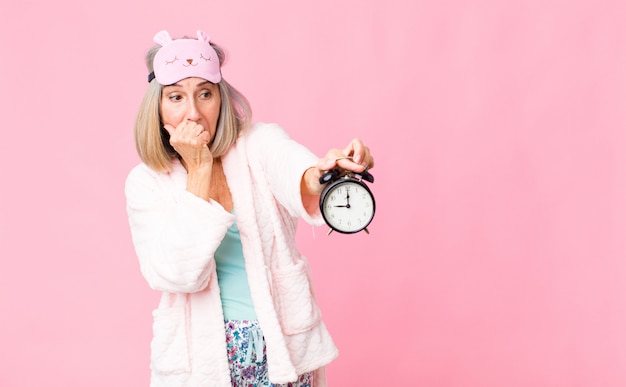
(357, 158)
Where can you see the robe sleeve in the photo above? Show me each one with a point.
(284, 162)
(175, 233)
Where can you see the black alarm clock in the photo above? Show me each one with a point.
(346, 202)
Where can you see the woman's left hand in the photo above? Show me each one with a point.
(355, 157)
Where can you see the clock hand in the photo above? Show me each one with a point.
(347, 197)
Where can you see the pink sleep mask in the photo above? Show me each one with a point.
(183, 58)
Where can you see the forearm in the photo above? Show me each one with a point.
(199, 182)
(310, 190)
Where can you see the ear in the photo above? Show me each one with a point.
(202, 36)
(163, 38)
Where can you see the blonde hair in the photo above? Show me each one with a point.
(152, 140)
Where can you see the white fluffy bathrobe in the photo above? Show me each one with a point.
(175, 235)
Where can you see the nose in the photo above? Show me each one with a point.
(189, 61)
(193, 114)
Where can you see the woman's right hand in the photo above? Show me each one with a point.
(191, 141)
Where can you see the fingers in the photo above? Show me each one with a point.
(190, 140)
(360, 153)
(330, 160)
(188, 133)
(355, 157)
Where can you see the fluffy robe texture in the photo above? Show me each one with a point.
(175, 234)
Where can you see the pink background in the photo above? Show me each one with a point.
(497, 255)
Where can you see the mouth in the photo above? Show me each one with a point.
(190, 64)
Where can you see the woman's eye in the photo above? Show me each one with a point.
(205, 94)
(175, 97)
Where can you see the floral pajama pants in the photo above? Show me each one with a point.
(247, 357)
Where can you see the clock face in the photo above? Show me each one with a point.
(348, 206)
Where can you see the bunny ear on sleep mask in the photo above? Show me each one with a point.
(184, 58)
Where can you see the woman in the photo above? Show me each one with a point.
(213, 210)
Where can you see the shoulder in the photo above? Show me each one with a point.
(261, 130)
(140, 179)
(143, 175)
(264, 137)
(142, 172)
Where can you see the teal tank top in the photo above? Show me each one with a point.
(232, 278)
